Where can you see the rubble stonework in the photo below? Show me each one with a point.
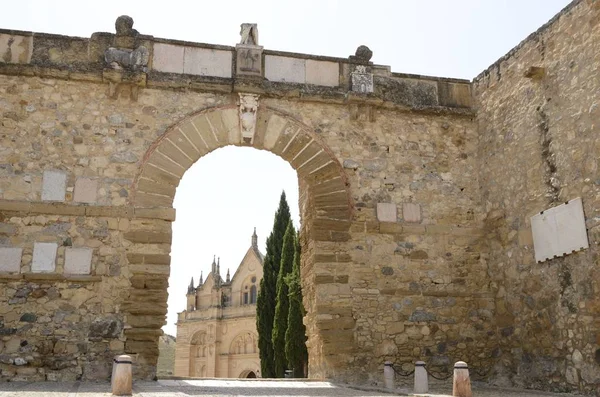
(448, 276)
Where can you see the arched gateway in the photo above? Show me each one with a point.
(416, 197)
(325, 202)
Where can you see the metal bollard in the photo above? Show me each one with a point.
(388, 375)
(421, 380)
(461, 386)
(121, 376)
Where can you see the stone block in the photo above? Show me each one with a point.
(207, 62)
(78, 261)
(387, 212)
(285, 69)
(10, 260)
(86, 190)
(323, 73)
(248, 60)
(168, 58)
(411, 212)
(44, 257)
(17, 49)
(54, 185)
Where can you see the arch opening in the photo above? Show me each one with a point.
(325, 202)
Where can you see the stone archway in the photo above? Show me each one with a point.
(325, 210)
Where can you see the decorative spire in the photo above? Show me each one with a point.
(191, 286)
(214, 265)
(254, 240)
(227, 279)
(219, 268)
(201, 279)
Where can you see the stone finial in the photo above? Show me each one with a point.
(362, 54)
(254, 240)
(249, 34)
(191, 287)
(228, 279)
(201, 279)
(124, 26)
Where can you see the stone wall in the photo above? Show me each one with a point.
(537, 115)
(415, 204)
(388, 202)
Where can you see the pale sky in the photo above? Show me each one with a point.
(228, 192)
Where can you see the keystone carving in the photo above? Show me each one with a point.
(248, 109)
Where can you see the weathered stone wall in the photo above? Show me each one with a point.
(539, 148)
(415, 216)
(389, 201)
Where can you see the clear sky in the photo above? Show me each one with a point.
(228, 192)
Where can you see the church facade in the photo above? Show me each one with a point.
(216, 334)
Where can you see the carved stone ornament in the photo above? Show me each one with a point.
(249, 53)
(249, 34)
(362, 82)
(248, 109)
(125, 65)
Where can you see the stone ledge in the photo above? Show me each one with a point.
(159, 80)
(36, 207)
(7, 277)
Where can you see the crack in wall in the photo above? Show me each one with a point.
(551, 178)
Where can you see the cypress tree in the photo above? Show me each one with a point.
(280, 322)
(295, 335)
(265, 302)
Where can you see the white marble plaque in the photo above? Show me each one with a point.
(323, 73)
(10, 260)
(44, 257)
(386, 212)
(54, 185)
(559, 231)
(411, 212)
(168, 58)
(285, 69)
(86, 190)
(207, 62)
(78, 261)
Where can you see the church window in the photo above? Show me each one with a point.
(245, 298)
(253, 294)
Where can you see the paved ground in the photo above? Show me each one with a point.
(226, 387)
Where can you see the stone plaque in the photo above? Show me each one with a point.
(323, 73)
(44, 257)
(15, 49)
(86, 190)
(362, 81)
(249, 60)
(386, 212)
(78, 261)
(411, 212)
(559, 231)
(10, 260)
(207, 62)
(285, 69)
(54, 185)
(168, 58)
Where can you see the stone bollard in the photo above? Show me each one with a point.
(421, 381)
(461, 386)
(121, 376)
(388, 375)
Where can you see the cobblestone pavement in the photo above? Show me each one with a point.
(230, 387)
